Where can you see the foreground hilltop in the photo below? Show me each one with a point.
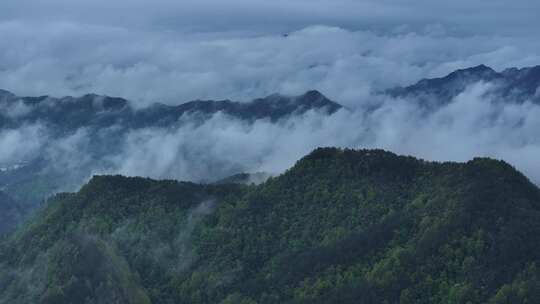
(341, 226)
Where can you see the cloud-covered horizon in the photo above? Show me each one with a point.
(176, 51)
(64, 58)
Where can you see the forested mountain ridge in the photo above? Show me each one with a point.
(511, 85)
(341, 226)
(70, 113)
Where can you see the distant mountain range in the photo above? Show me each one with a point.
(510, 85)
(70, 113)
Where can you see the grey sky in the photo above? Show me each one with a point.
(477, 16)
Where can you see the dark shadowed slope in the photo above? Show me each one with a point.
(341, 226)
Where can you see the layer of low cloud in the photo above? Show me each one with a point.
(472, 125)
(20, 144)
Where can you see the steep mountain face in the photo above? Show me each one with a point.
(510, 85)
(341, 226)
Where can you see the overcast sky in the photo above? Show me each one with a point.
(176, 51)
(467, 16)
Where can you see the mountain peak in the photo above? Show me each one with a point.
(313, 94)
(316, 100)
(479, 72)
(274, 106)
(450, 85)
(366, 163)
(479, 68)
(512, 85)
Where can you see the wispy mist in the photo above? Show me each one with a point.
(472, 124)
(21, 144)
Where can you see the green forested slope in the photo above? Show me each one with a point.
(341, 226)
(10, 213)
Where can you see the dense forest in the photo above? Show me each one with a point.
(340, 226)
(10, 213)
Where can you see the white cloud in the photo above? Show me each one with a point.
(172, 67)
(21, 144)
(14, 109)
(471, 125)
